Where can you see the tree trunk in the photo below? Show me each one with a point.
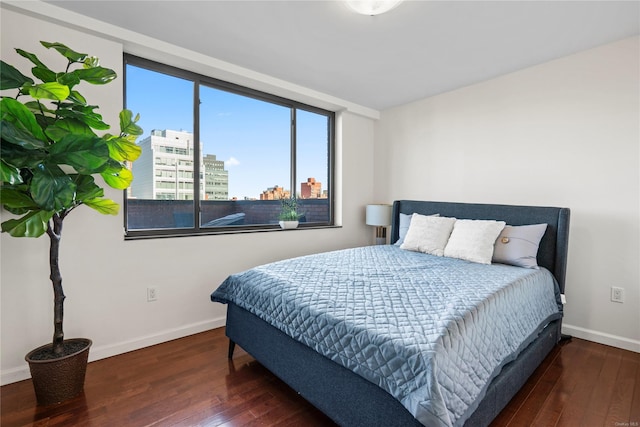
(56, 279)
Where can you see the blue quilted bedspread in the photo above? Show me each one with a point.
(432, 331)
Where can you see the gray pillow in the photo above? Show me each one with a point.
(518, 245)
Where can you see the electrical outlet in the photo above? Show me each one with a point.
(617, 294)
(152, 294)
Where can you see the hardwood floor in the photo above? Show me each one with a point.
(190, 382)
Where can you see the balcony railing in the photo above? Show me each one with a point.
(161, 214)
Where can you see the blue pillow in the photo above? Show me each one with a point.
(403, 227)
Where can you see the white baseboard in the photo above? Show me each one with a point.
(12, 375)
(602, 337)
(9, 376)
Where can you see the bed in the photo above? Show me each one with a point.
(380, 383)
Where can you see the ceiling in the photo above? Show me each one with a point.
(419, 49)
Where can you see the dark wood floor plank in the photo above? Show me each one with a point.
(620, 407)
(577, 404)
(534, 402)
(507, 414)
(634, 415)
(600, 401)
(190, 382)
(551, 410)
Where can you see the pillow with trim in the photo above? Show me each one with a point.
(518, 245)
(428, 234)
(473, 240)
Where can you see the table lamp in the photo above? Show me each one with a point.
(380, 217)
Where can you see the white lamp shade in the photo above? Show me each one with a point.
(379, 215)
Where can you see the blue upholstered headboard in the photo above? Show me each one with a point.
(552, 253)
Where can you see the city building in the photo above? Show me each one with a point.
(216, 178)
(275, 193)
(311, 189)
(165, 169)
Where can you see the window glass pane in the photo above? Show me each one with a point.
(312, 165)
(161, 194)
(245, 155)
(246, 146)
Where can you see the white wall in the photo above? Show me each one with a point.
(105, 277)
(564, 133)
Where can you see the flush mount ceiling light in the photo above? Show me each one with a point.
(372, 7)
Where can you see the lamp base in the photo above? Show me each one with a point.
(381, 235)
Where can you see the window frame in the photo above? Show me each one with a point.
(203, 80)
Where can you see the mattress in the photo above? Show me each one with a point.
(431, 331)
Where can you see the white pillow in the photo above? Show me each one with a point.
(403, 226)
(428, 234)
(473, 240)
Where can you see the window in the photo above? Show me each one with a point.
(217, 157)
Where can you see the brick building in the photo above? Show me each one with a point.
(311, 189)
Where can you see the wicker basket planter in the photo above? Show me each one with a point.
(59, 379)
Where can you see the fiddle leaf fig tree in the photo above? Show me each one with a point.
(51, 154)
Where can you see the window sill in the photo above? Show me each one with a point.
(176, 232)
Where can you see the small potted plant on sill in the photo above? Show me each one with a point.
(289, 216)
(49, 157)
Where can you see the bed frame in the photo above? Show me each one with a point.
(351, 400)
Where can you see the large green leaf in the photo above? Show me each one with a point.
(85, 154)
(52, 189)
(17, 211)
(37, 107)
(65, 51)
(33, 224)
(45, 120)
(66, 126)
(104, 206)
(92, 118)
(85, 114)
(44, 74)
(68, 79)
(16, 199)
(117, 176)
(128, 124)
(86, 188)
(9, 174)
(11, 78)
(96, 75)
(19, 158)
(121, 149)
(16, 136)
(21, 115)
(44, 115)
(51, 90)
(77, 98)
(33, 58)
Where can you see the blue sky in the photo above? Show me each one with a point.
(251, 136)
